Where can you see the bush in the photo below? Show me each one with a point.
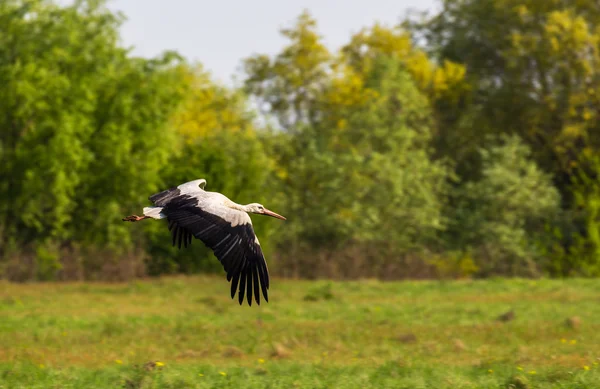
(501, 217)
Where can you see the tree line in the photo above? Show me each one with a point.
(459, 144)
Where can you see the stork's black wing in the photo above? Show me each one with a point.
(163, 198)
(236, 246)
(173, 196)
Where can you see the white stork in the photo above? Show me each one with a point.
(223, 226)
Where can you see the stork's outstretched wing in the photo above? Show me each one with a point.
(228, 232)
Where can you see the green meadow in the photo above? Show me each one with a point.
(186, 333)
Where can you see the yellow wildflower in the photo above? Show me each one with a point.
(573, 341)
(563, 340)
(223, 373)
(532, 372)
(260, 360)
(200, 375)
(41, 365)
(159, 364)
(586, 368)
(491, 371)
(519, 368)
(118, 361)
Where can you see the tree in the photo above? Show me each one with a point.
(353, 161)
(398, 190)
(533, 67)
(288, 86)
(83, 126)
(443, 83)
(501, 217)
(288, 90)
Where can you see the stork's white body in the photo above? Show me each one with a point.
(213, 202)
(222, 225)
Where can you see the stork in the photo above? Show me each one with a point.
(222, 225)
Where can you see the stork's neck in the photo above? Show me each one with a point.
(237, 206)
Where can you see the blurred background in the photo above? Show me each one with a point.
(460, 141)
(449, 139)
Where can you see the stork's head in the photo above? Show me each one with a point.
(260, 210)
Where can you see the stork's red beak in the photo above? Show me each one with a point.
(273, 214)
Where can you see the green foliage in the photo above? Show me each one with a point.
(47, 262)
(399, 191)
(582, 254)
(89, 132)
(289, 85)
(130, 146)
(500, 215)
(533, 70)
(350, 169)
(83, 124)
(475, 153)
(453, 264)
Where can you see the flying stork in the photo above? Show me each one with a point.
(222, 225)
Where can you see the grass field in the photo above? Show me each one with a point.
(187, 333)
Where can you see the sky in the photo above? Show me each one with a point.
(219, 34)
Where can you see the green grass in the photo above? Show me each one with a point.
(366, 334)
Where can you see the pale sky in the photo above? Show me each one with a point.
(219, 34)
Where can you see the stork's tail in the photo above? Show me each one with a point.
(154, 212)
